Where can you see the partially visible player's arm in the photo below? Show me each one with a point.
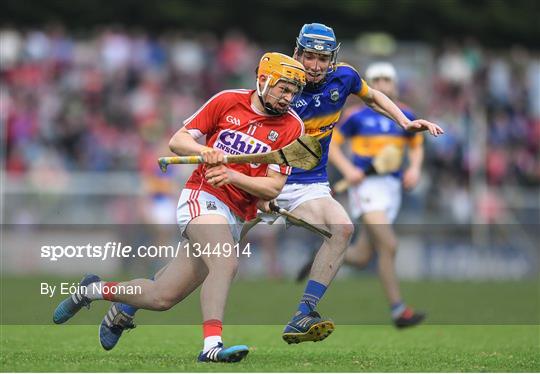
(379, 102)
(411, 177)
(183, 143)
(203, 122)
(265, 188)
(416, 157)
(352, 174)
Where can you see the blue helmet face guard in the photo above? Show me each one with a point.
(318, 38)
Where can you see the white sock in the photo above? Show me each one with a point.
(210, 342)
(93, 291)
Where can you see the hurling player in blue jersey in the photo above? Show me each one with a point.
(307, 193)
(375, 199)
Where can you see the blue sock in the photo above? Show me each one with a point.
(313, 293)
(131, 310)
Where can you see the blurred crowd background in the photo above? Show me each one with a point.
(84, 116)
(109, 103)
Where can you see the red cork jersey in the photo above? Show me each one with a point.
(232, 125)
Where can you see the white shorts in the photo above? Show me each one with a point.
(161, 210)
(295, 194)
(376, 193)
(195, 203)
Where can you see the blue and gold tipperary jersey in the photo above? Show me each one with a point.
(370, 131)
(320, 110)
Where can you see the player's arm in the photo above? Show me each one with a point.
(351, 173)
(379, 102)
(265, 188)
(183, 143)
(411, 177)
(202, 122)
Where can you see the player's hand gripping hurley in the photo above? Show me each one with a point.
(387, 161)
(304, 153)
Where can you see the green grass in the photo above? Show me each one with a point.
(351, 348)
(348, 301)
(471, 326)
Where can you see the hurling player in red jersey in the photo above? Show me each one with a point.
(223, 196)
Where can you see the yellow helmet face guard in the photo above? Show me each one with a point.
(278, 67)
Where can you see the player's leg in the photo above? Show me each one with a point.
(221, 269)
(179, 279)
(208, 230)
(383, 238)
(307, 325)
(363, 197)
(214, 232)
(360, 252)
(72, 304)
(125, 312)
(182, 274)
(175, 284)
(209, 227)
(329, 258)
(120, 317)
(381, 200)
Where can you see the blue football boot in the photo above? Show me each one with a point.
(71, 305)
(309, 327)
(112, 326)
(221, 354)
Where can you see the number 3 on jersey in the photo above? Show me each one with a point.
(317, 99)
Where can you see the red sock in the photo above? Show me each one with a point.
(212, 327)
(108, 290)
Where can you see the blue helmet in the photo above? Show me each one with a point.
(318, 38)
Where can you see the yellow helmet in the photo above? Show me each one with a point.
(277, 66)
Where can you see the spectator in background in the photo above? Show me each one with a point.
(98, 103)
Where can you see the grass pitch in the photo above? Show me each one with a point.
(471, 326)
(349, 349)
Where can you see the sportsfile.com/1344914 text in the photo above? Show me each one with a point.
(118, 250)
